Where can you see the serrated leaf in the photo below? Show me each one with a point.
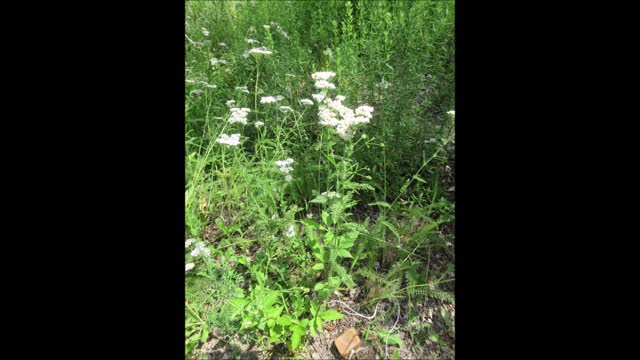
(330, 315)
(380, 203)
(348, 240)
(391, 227)
(318, 266)
(344, 253)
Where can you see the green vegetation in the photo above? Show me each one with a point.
(319, 152)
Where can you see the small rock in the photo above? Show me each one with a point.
(348, 341)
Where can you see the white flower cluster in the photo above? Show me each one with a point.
(306, 102)
(259, 123)
(215, 61)
(242, 88)
(333, 113)
(188, 266)
(323, 75)
(230, 102)
(285, 165)
(324, 84)
(260, 50)
(331, 194)
(267, 100)
(222, 44)
(229, 140)
(286, 108)
(266, 27)
(452, 113)
(205, 32)
(189, 242)
(278, 29)
(291, 231)
(239, 115)
(251, 41)
(201, 249)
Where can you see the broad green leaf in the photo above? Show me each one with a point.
(318, 266)
(270, 299)
(319, 286)
(394, 339)
(205, 332)
(311, 224)
(344, 253)
(320, 199)
(284, 321)
(325, 218)
(348, 240)
(260, 277)
(328, 238)
(238, 305)
(297, 332)
(273, 312)
(330, 315)
(434, 337)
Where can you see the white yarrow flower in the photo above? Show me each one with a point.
(205, 32)
(266, 27)
(291, 231)
(331, 194)
(279, 97)
(317, 97)
(189, 242)
(306, 102)
(288, 108)
(239, 115)
(288, 178)
(251, 41)
(188, 266)
(324, 84)
(229, 140)
(323, 75)
(261, 51)
(267, 100)
(452, 112)
(259, 123)
(285, 166)
(242, 88)
(222, 44)
(230, 102)
(201, 249)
